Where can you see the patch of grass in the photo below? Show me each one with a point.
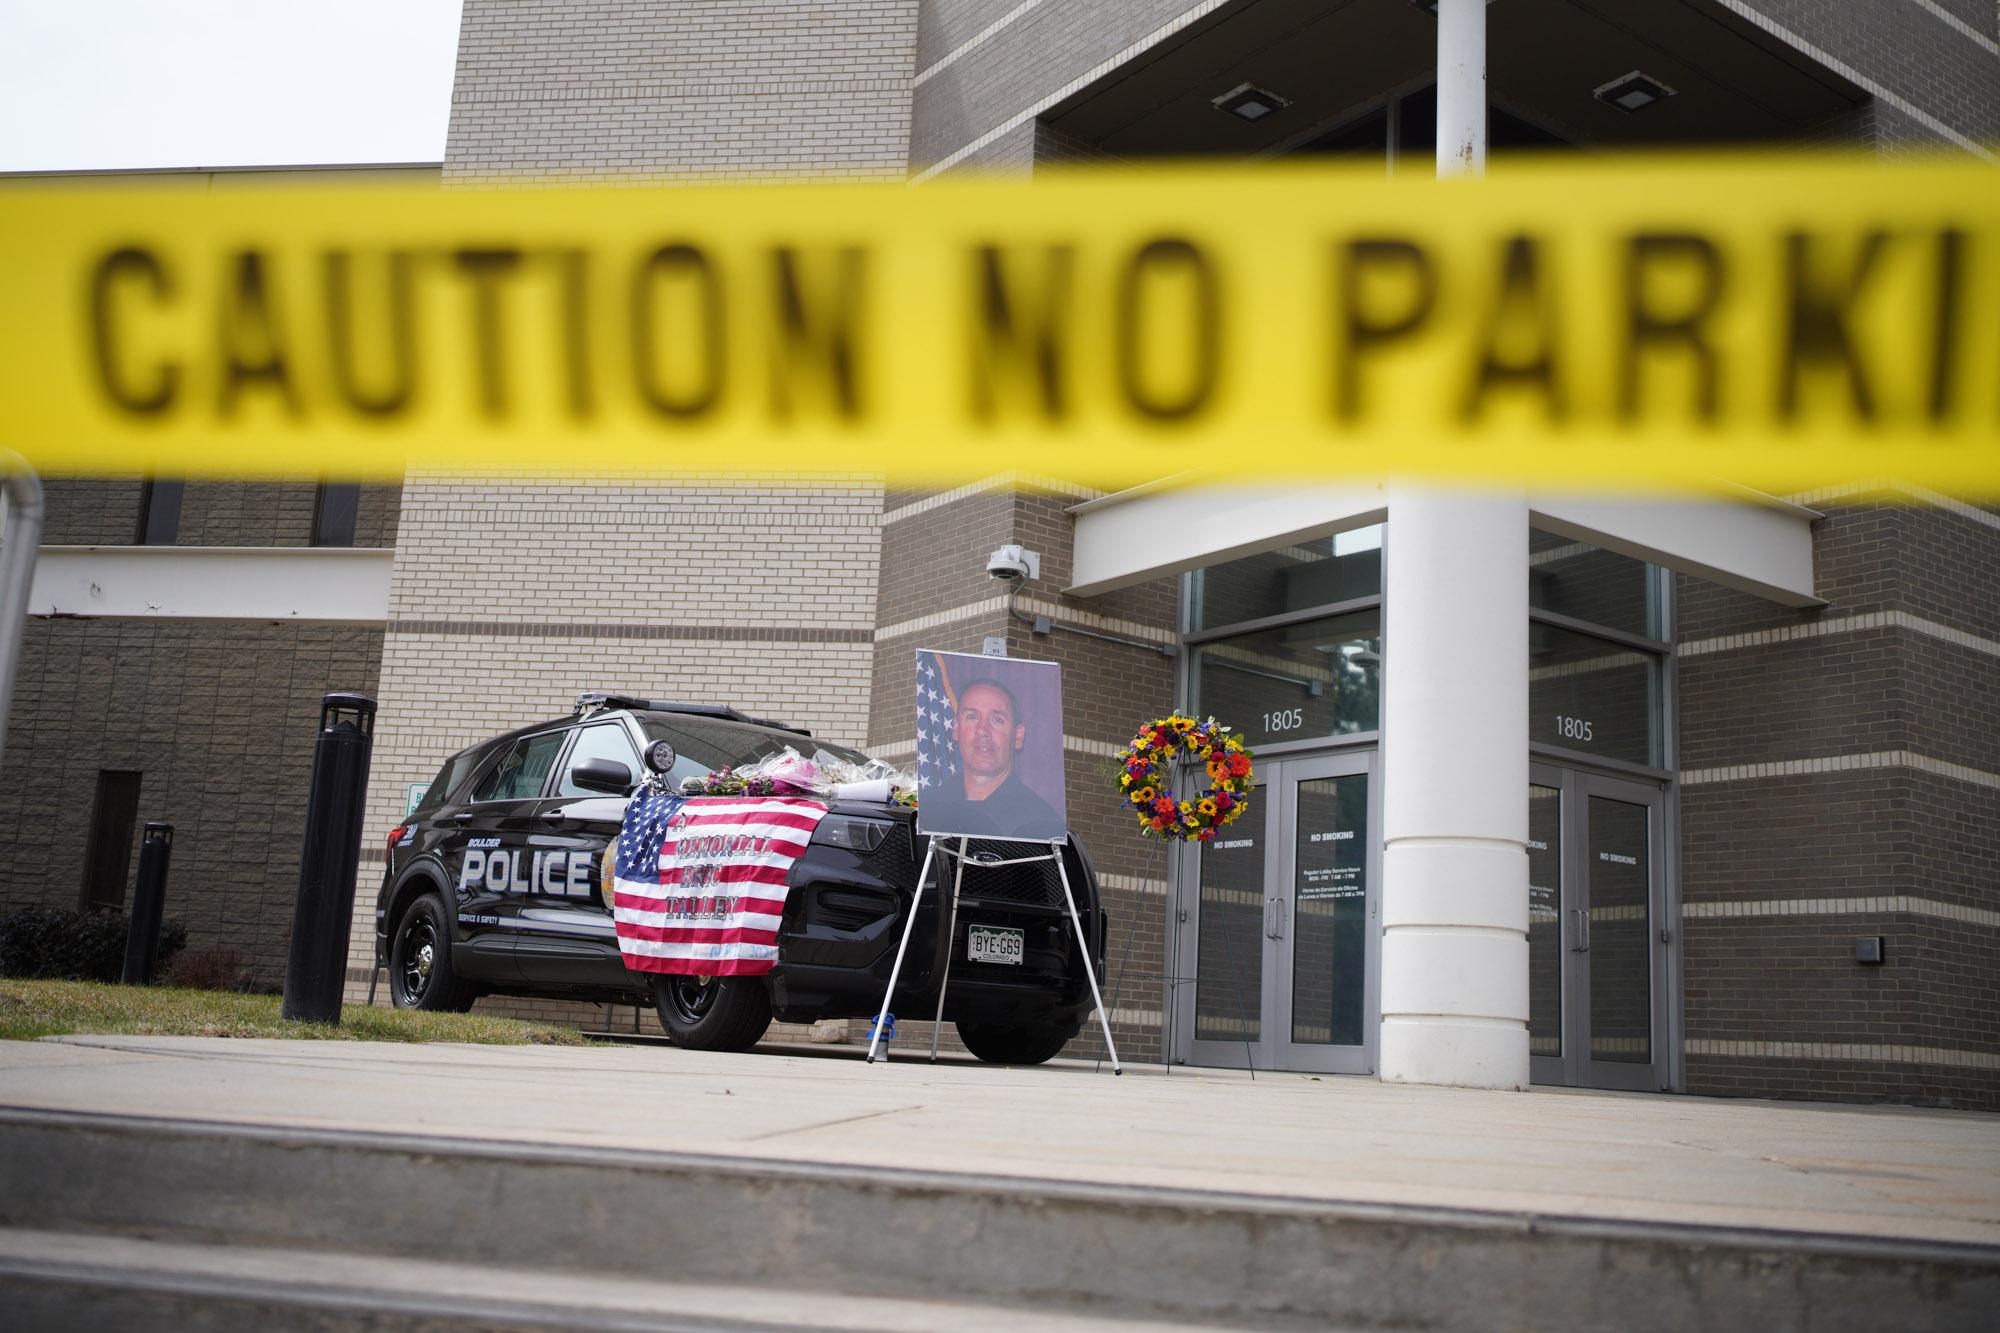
(31, 1009)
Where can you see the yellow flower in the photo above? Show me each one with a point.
(1191, 822)
(1143, 796)
(1182, 725)
(1124, 779)
(1187, 807)
(1207, 808)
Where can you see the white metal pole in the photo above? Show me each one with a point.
(1455, 726)
(1083, 943)
(896, 969)
(950, 942)
(1461, 88)
(20, 542)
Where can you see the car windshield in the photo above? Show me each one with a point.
(704, 744)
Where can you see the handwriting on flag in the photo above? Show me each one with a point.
(700, 881)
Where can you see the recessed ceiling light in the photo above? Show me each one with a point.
(1632, 92)
(1430, 6)
(1246, 101)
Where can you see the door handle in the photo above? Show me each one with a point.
(1580, 939)
(554, 818)
(1270, 918)
(462, 817)
(1280, 902)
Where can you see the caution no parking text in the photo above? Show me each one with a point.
(1780, 323)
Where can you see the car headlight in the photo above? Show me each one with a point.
(856, 835)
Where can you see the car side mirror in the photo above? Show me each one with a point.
(606, 775)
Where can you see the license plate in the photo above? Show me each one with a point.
(995, 944)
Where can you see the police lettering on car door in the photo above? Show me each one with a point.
(517, 870)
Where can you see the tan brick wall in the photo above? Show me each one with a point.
(590, 90)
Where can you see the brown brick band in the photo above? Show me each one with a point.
(570, 629)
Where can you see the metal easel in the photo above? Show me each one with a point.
(940, 845)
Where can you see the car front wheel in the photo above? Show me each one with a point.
(712, 1013)
(420, 975)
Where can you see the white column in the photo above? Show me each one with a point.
(1455, 790)
(1455, 727)
(1461, 115)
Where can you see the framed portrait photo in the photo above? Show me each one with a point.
(989, 748)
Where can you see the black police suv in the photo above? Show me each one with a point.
(497, 885)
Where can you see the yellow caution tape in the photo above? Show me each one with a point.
(1781, 322)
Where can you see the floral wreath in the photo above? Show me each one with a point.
(1145, 779)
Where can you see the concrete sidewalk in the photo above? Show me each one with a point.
(1836, 1171)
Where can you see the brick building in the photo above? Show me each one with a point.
(1735, 770)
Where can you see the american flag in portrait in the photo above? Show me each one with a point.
(699, 882)
(937, 725)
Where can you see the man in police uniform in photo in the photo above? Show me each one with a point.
(990, 735)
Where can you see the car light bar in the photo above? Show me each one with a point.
(592, 701)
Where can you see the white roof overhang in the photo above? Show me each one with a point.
(306, 585)
(1748, 541)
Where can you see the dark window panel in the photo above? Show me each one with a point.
(160, 513)
(1303, 575)
(335, 514)
(1295, 682)
(109, 856)
(1575, 579)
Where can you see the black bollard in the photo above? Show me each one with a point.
(149, 900)
(317, 967)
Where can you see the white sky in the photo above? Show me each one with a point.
(181, 83)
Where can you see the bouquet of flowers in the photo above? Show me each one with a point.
(726, 781)
(1145, 777)
(789, 773)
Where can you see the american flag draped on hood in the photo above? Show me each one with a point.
(699, 883)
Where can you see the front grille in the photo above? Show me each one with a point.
(1037, 884)
(895, 861)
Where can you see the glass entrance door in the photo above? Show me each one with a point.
(1279, 926)
(1597, 954)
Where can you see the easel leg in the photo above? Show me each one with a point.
(1089, 972)
(950, 941)
(896, 970)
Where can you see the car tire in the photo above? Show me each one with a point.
(1032, 1045)
(712, 1013)
(420, 975)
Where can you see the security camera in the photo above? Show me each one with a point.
(1011, 564)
